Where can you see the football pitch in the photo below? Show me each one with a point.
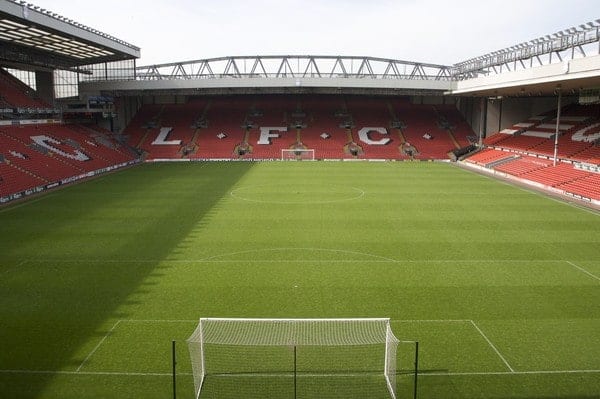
(500, 286)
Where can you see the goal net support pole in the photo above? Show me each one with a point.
(358, 349)
(174, 369)
(415, 371)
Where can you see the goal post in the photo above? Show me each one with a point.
(297, 154)
(327, 358)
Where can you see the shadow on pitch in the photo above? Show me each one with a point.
(89, 250)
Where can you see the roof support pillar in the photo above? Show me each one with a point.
(557, 125)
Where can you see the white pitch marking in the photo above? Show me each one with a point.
(492, 346)
(98, 346)
(234, 195)
(379, 258)
(421, 374)
(196, 321)
(158, 321)
(583, 270)
(432, 374)
(214, 259)
(21, 263)
(516, 184)
(12, 208)
(117, 373)
(432, 321)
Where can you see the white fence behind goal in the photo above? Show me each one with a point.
(297, 154)
(325, 358)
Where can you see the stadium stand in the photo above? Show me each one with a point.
(422, 130)
(579, 134)
(272, 112)
(587, 186)
(35, 154)
(555, 175)
(489, 157)
(526, 151)
(224, 129)
(322, 131)
(456, 125)
(14, 179)
(336, 127)
(589, 155)
(39, 155)
(14, 93)
(523, 165)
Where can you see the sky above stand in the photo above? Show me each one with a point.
(440, 32)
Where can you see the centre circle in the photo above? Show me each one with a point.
(292, 193)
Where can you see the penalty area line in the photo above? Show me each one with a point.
(97, 346)
(583, 270)
(493, 347)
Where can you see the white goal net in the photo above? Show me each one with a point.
(293, 358)
(297, 154)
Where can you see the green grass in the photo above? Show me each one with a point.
(500, 286)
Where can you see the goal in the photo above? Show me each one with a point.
(299, 154)
(293, 358)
